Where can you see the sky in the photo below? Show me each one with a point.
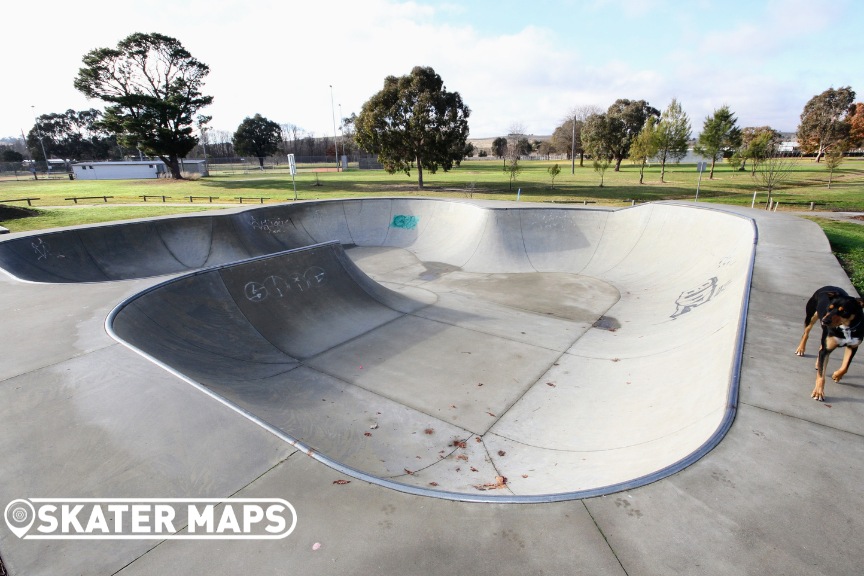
(523, 65)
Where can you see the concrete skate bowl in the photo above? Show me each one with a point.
(507, 354)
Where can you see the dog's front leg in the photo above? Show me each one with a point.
(847, 360)
(807, 327)
(828, 345)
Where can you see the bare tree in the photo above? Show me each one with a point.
(568, 136)
(219, 144)
(287, 141)
(771, 172)
(515, 136)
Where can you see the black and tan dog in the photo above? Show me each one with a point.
(842, 320)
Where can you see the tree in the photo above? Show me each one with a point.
(218, 144)
(672, 136)
(720, 133)
(289, 138)
(627, 117)
(10, 155)
(757, 144)
(855, 118)
(513, 169)
(153, 88)
(567, 137)
(554, 171)
(414, 121)
(499, 147)
(257, 136)
(771, 171)
(517, 143)
(644, 146)
(598, 136)
(823, 122)
(72, 135)
(833, 159)
(524, 146)
(546, 148)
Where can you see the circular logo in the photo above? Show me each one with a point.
(19, 516)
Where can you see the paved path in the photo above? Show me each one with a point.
(81, 415)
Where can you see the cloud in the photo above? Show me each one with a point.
(280, 59)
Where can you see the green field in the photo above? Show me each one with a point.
(847, 242)
(479, 179)
(483, 179)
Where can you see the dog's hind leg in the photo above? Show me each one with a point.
(847, 360)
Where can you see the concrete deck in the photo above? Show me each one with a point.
(83, 415)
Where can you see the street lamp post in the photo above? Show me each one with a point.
(342, 129)
(204, 142)
(335, 143)
(41, 142)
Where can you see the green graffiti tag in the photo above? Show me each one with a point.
(406, 222)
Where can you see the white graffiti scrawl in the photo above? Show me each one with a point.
(43, 251)
(280, 287)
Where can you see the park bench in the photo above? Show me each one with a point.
(259, 198)
(208, 198)
(772, 206)
(28, 200)
(811, 205)
(583, 202)
(146, 196)
(76, 198)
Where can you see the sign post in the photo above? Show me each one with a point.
(700, 166)
(292, 167)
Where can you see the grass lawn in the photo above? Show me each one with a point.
(59, 217)
(847, 243)
(484, 179)
(806, 182)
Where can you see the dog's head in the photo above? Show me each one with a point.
(843, 311)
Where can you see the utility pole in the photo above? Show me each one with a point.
(335, 142)
(342, 129)
(41, 143)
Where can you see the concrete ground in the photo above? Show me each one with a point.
(83, 416)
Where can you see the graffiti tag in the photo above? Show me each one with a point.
(406, 222)
(280, 287)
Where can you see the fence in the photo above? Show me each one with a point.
(238, 165)
(279, 164)
(55, 169)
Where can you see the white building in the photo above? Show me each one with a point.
(133, 169)
(789, 146)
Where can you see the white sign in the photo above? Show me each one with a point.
(150, 518)
(291, 165)
(701, 166)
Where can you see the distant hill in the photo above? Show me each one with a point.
(486, 143)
